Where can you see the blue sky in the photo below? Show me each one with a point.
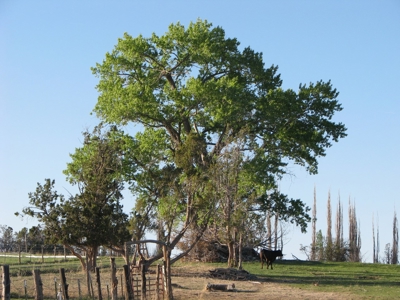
(47, 90)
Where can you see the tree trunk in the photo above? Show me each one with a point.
(167, 273)
(230, 251)
(240, 267)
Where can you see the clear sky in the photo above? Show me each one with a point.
(47, 90)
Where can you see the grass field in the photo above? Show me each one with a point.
(369, 280)
(300, 279)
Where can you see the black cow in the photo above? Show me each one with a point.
(269, 256)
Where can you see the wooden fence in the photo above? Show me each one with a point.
(124, 285)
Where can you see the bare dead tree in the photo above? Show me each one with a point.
(395, 244)
(374, 260)
(354, 235)
(340, 251)
(387, 254)
(329, 242)
(377, 242)
(313, 254)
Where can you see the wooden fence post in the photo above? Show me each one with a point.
(6, 295)
(25, 290)
(79, 289)
(98, 283)
(157, 282)
(128, 283)
(143, 283)
(114, 280)
(55, 286)
(38, 285)
(64, 285)
(122, 287)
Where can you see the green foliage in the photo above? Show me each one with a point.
(197, 93)
(94, 216)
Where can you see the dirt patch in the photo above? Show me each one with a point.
(191, 284)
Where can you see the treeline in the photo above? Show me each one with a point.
(33, 241)
(335, 247)
(25, 240)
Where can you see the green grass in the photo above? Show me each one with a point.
(370, 281)
(361, 279)
(49, 264)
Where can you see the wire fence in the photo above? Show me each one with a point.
(80, 285)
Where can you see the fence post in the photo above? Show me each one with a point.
(55, 286)
(122, 287)
(149, 286)
(25, 290)
(79, 289)
(6, 295)
(128, 283)
(114, 280)
(98, 283)
(38, 285)
(157, 282)
(64, 285)
(143, 281)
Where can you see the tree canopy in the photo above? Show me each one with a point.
(196, 92)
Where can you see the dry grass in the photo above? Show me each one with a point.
(190, 282)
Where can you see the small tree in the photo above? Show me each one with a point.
(94, 216)
(320, 243)
(7, 241)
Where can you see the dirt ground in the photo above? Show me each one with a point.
(192, 285)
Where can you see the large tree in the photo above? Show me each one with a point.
(195, 93)
(93, 217)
